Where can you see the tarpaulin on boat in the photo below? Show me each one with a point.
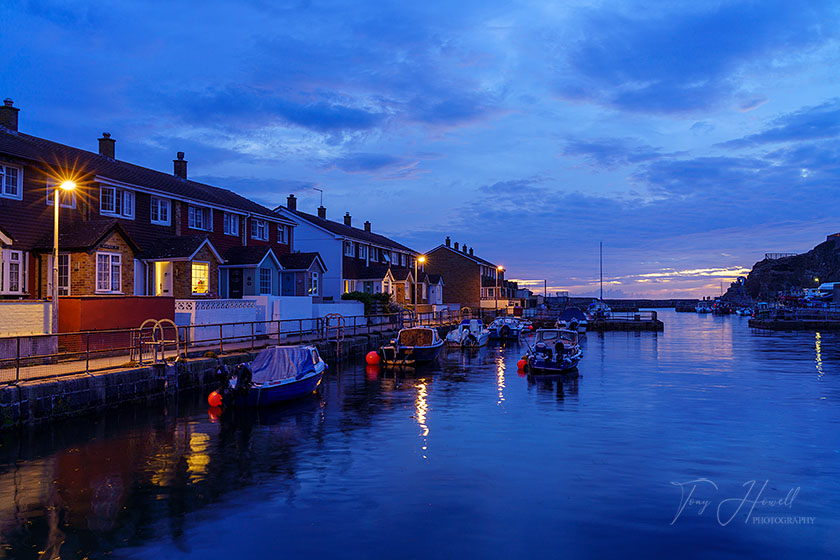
(282, 363)
(572, 313)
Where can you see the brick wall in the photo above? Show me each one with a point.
(83, 267)
(182, 282)
(24, 317)
(461, 276)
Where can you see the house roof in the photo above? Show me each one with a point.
(251, 255)
(180, 247)
(400, 274)
(60, 155)
(81, 236)
(342, 230)
(465, 255)
(6, 237)
(301, 261)
(374, 271)
(435, 279)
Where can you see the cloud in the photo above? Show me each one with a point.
(612, 152)
(809, 123)
(369, 163)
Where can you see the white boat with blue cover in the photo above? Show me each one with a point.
(554, 351)
(505, 328)
(470, 333)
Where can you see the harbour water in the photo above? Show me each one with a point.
(706, 440)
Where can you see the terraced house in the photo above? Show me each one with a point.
(127, 230)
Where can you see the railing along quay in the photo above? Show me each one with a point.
(36, 357)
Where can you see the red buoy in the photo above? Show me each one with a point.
(372, 358)
(214, 399)
(521, 364)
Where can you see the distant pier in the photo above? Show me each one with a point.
(632, 321)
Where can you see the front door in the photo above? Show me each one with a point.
(163, 278)
(235, 279)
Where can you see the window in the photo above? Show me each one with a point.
(402, 259)
(386, 256)
(231, 224)
(373, 255)
(160, 211)
(386, 287)
(395, 258)
(363, 251)
(66, 199)
(313, 286)
(265, 281)
(282, 234)
(259, 229)
(200, 277)
(348, 249)
(13, 271)
(10, 182)
(116, 202)
(63, 273)
(200, 218)
(108, 272)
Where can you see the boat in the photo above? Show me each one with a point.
(573, 319)
(505, 328)
(277, 374)
(702, 307)
(470, 333)
(598, 310)
(744, 311)
(555, 351)
(413, 346)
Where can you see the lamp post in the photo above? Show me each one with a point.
(65, 186)
(498, 270)
(421, 259)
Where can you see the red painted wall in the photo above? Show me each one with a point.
(87, 313)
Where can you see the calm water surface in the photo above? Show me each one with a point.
(466, 460)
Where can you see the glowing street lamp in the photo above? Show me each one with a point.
(64, 186)
(498, 270)
(421, 259)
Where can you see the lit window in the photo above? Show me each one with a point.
(313, 286)
(348, 249)
(259, 229)
(200, 277)
(66, 199)
(363, 251)
(231, 224)
(160, 211)
(13, 265)
(200, 218)
(116, 202)
(265, 281)
(108, 272)
(10, 182)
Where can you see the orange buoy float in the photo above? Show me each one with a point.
(214, 399)
(521, 364)
(372, 358)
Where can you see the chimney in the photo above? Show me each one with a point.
(367, 226)
(180, 166)
(448, 241)
(464, 248)
(456, 245)
(106, 145)
(322, 212)
(347, 219)
(291, 202)
(471, 252)
(9, 115)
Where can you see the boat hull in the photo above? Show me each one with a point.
(271, 394)
(410, 355)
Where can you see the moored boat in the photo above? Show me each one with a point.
(413, 346)
(702, 307)
(470, 333)
(573, 319)
(554, 351)
(598, 310)
(277, 374)
(505, 328)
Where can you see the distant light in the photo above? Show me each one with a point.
(68, 185)
(500, 268)
(421, 259)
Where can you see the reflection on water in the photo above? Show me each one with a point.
(522, 466)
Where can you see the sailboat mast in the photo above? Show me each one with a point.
(601, 258)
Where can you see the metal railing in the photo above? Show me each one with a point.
(46, 356)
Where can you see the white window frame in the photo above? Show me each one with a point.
(373, 255)
(313, 283)
(261, 279)
(206, 214)
(192, 280)
(402, 259)
(231, 224)
(259, 229)
(363, 252)
(162, 206)
(4, 185)
(8, 257)
(62, 196)
(349, 250)
(282, 234)
(126, 202)
(109, 273)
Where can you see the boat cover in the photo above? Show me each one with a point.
(572, 313)
(273, 364)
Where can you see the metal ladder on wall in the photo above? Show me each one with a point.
(150, 339)
(338, 329)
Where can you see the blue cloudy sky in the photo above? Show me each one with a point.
(689, 137)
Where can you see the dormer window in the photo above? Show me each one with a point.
(116, 202)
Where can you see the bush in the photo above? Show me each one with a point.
(367, 299)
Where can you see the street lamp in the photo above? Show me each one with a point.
(498, 270)
(421, 259)
(65, 186)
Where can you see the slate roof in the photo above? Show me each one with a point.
(400, 275)
(300, 261)
(59, 155)
(368, 272)
(338, 228)
(173, 247)
(81, 236)
(434, 278)
(243, 256)
(466, 256)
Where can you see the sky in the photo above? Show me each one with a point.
(689, 137)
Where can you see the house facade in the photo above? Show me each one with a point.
(125, 229)
(470, 280)
(356, 259)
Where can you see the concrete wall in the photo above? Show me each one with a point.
(24, 317)
(189, 312)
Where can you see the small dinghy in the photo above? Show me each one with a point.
(277, 374)
(413, 346)
(555, 351)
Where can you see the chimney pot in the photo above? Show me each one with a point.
(471, 250)
(106, 145)
(464, 248)
(447, 241)
(347, 219)
(9, 115)
(456, 245)
(291, 202)
(367, 226)
(180, 166)
(322, 212)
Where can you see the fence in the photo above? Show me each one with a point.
(47, 356)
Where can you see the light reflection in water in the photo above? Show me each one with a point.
(818, 359)
(198, 459)
(500, 379)
(421, 407)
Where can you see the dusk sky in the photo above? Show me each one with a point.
(690, 138)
